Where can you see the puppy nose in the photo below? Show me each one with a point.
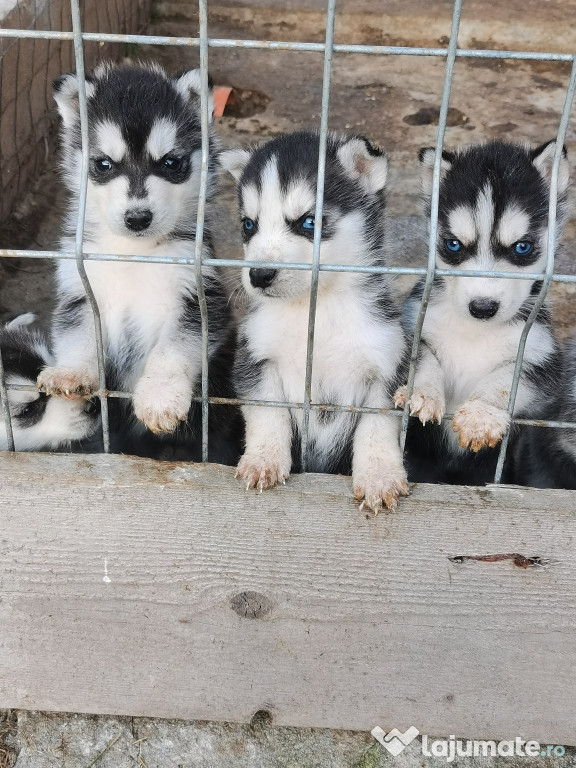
(262, 278)
(91, 406)
(483, 309)
(137, 220)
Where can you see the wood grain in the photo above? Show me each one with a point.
(140, 588)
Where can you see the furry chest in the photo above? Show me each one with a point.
(347, 354)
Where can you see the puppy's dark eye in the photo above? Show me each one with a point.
(249, 226)
(172, 163)
(453, 245)
(523, 247)
(103, 165)
(308, 223)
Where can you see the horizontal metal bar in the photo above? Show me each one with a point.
(240, 264)
(279, 45)
(331, 407)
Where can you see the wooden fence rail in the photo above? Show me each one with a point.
(139, 588)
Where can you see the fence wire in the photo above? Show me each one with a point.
(328, 47)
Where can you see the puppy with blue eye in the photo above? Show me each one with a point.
(493, 215)
(359, 347)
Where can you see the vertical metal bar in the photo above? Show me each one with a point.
(204, 122)
(6, 408)
(550, 254)
(83, 108)
(329, 41)
(450, 59)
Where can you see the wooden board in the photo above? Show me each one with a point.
(140, 588)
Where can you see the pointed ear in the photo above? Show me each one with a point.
(65, 90)
(234, 161)
(189, 85)
(426, 156)
(543, 158)
(365, 163)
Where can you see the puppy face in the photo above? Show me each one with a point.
(145, 147)
(277, 195)
(493, 215)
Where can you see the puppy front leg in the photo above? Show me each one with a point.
(428, 400)
(163, 394)
(75, 372)
(267, 459)
(378, 474)
(482, 419)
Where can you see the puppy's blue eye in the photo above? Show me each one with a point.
(308, 223)
(103, 164)
(523, 247)
(248, 225)
(171, 163)
(453, 245)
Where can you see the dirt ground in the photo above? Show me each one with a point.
(391, 99)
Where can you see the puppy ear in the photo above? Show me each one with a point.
(365, 163)
(189, 86)
(543, 158)
(65, 90)
(426, 156)
(234, 161)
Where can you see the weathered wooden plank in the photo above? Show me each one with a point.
(126, 587)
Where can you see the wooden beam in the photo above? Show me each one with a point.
(134, 587)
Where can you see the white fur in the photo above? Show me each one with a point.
(462, 224)
(513, 225)
(109, 140)
(162, 138)
(355, 353)
(140, 304)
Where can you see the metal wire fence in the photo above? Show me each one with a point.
(328, 47)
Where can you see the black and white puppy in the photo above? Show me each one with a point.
(493, 215)
(39, 422)
(143, 185)
(546, 457)
(359, 342)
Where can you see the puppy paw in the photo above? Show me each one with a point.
(262, 472)
(71, 383)
(400, 397)
(479, 425)
(428, 405)
(161, 403)
(380, 486)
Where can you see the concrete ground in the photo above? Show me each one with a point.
(392, 101)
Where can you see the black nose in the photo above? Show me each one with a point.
(262, 278)
(92, 406)
(137, 220)
(483, 308)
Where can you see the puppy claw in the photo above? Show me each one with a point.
(161, 404)
(479, 425)
(67, 382)
(259, 473)
(380, 488)
(427, 405)
(400, 397)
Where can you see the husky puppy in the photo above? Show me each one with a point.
(143, 184)
(39, 422)
(546, 457)
(493, 215)
(359, 344)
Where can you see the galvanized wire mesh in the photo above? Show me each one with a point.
(82, 38)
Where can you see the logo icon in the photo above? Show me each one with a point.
(395, 741)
